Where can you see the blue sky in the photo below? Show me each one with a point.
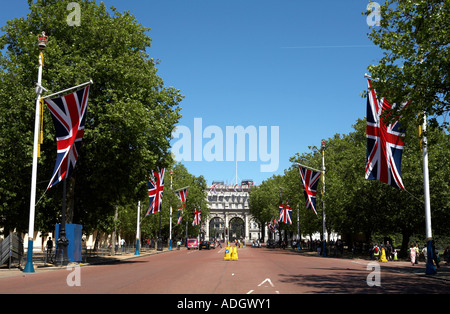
(293, 64)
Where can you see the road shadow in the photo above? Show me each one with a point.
(335, 280)
(111, 261)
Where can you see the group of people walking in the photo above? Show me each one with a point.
(415, 252)
(383, 253)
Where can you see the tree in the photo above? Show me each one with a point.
(357, 206)
(195, 200)
(131, 114)
(264, 201)
(416, 38)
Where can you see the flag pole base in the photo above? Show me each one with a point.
(430, 268)
(137, 247)
(29, 266)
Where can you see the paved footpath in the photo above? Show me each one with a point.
(258, 271)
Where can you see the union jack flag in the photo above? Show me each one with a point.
(310, 179)
(180, 217)
(197, 218)
(273, 225)
(69, 117)
(155, 191)
(182, 195)
(213, 189)
(384, 143)
(285, 214)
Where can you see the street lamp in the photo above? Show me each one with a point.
(322, 151)
(42, 43)
(170, 221)
(323, 199)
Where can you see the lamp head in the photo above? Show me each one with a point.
(42, 41)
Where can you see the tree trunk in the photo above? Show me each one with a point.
(405, 242)
(114, 235)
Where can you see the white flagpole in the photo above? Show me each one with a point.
(430, 268)
(323, 201)
(29, 265)
(170, 221)
(138, 228)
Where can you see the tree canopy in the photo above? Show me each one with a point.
(355, 206)
(130, 117)
(415, 38)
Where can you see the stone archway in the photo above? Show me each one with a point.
(236, 229)
(217, 228)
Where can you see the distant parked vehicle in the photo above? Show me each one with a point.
(256, 243)
(271, 244)
(204, 245)
(192, 244)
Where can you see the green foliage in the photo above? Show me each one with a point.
(415, 36)
(195, 200)
(356, 206)
(130, 116)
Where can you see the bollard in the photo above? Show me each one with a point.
(383, 256)
(227, 256)
(234, 255)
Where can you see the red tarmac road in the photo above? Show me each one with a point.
(258, 271)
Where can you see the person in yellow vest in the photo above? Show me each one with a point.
(383, 256)
(376, 252)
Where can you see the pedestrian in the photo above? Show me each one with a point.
(122, 244)
(376, 252)
(49, 247)
(435, 254)
(424, 252)
(447, 255)
(412, 255)
(388, 251)
(416, 247)
(371, 252)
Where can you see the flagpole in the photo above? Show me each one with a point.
(42, 41)
(309, 167)
(323, 200)
(170, 221)
(68, 89)
(138, 228)
(430, 268)
(62, 242)
(298, 228)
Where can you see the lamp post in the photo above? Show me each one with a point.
(138, 228)
(430, 268)
(324, 230)
(42, 43)
(299, 248)
(170, 221)
(324, 250)
(62, 242)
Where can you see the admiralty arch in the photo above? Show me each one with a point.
(229, 215)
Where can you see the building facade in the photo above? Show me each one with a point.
(229, 214)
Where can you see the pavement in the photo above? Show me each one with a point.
(40, 266)
(402, 266)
